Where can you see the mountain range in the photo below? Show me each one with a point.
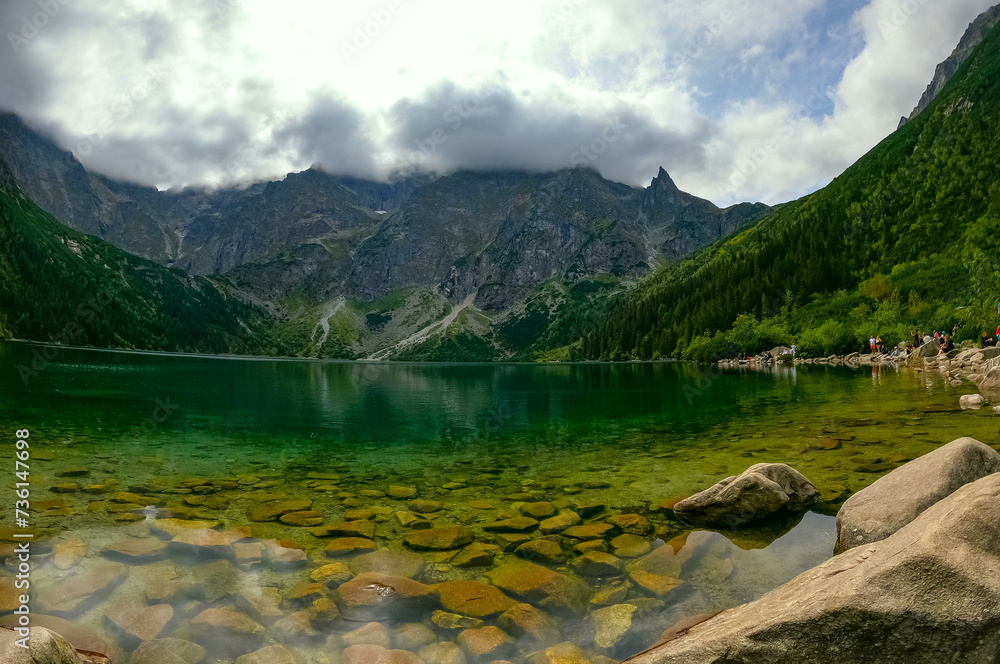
(471, 265)
(906, 240)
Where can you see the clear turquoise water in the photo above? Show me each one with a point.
(628, 436)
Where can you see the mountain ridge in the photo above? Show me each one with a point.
(906, 239)
(973, 36)
(304, 242)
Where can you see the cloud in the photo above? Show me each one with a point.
(780, 150)
(489, 127)
(738, 99)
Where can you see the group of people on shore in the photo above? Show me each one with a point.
(945, 341)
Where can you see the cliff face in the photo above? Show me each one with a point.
(501, 234)
(974, 36)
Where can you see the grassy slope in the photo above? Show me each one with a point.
(56, 283)
(908, 237)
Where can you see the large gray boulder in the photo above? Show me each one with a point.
(45, 647)
(894, 500)
(928, 594)
(759, 492)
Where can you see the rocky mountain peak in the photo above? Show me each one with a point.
(973, 36)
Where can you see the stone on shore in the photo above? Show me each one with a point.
(761, 491)
(44, 646)
(894, 500)
(971, 401)
(929, 593)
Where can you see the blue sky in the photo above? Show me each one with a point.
(801, 67)
(738, 99)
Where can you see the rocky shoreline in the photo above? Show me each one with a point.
(916, 580)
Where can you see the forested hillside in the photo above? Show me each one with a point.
(58, 284)
(908, 237)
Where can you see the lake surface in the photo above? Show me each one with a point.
(134, 452)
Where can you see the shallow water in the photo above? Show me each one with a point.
(212, 439)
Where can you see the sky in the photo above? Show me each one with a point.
(759, 100)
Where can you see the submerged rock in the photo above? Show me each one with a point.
(611, 624)
(542, 586)
(525, 621)
(374, 633)
(343, 546)
(394, 563)
(476, 554)
(80, 591)
(270, 655)
(454, 621)
(893, 501)
(227, 631)
(472, 598)
(515, 524)
(560, 522)
(440, 538)
(442, 652)
(168, 651)
(371, 596)
(761, 491)
(141, 623)
(596, 563)
(545, 551)
(927, 594)
(485, 643)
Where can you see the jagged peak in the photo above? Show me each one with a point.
(664, 180)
